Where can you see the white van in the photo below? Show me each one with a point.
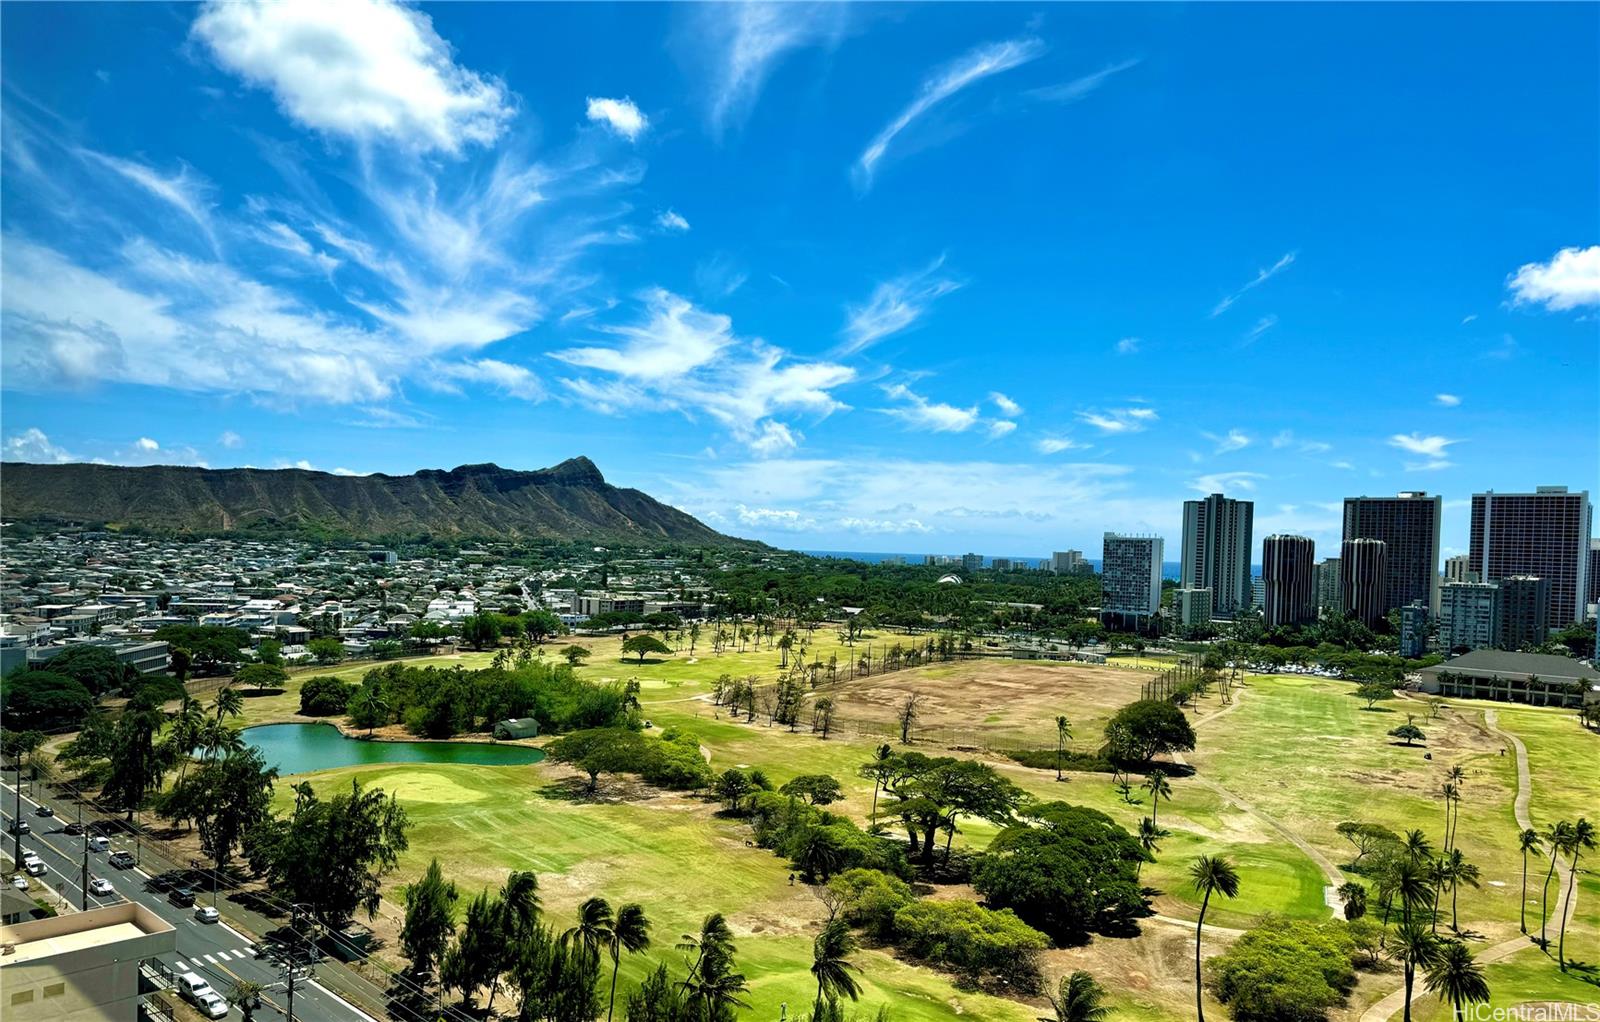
(33, 865)
(198, 992)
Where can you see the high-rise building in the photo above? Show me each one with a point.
(1469, 616)
(1408, 524)
(1068, 562)
(1288, 570)
(1216, 550)
(1544, 533)
(1192, 606)
(1459, 569)
(1130, 577)
(1524, 611)
(1329, 603)
(1000, 563)
(1594, 571)
(1362, 577)
(971, 562)
(1414, 629)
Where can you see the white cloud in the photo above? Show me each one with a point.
(620, 115)
(1569, 280)
(774, 439)
(1078, 88)
(348, 472)
(894, 306)
(1222, 482)
(230, 440)
(973, 66)
(1000, 427)
(674, 340)
(1447, 400)
(361, 69)
(1429, 466)
(1128, 346)
(1426, 446)
(182, 191)
(1262, 276)
(1056, 444)
(513, 380)
(1263, 324)
(783, 519)
(672, 220)
(740, 44)
(1235, 440)
(1005, 404)
(1120, 420)
(879, 526)
(34, 446)
(144, 443)
(934, 416)
(1468, 318)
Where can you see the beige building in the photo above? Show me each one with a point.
(80, 967)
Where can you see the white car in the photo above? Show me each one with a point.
(20, 882)
(98, 843)
(207, 914)
(34, 865)
(212, 1004)
(100, 887)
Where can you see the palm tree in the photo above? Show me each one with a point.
(1438, 878)
(593, 927)
(1354, 898)
(1448, 791)
(1149, 836)
(229, 702)
(1455, 779)
(1063, 732)
(1556, 836)
(1456, 978)
(1582, 837)
(185, 732)
(830, 963)
(1461, 872)
(1417, 846)
(1415, 947)
(1159, 789)
(711, 978)
(1078, 999)
(1528, 840)
(1209, 873)
(630, 932)
(1412, 885)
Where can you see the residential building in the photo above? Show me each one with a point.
(1469, 616)
(1524, 611)
(1362, 578)
(1329, 603)
(1001, 564)
(971, 562)
(1594, 571)
(1288, 576)
(81, 966)
(1546, 534)
(1216, 551)
(1192, 607)
(1130, 579)
(1408, 525)
(1459, 569)
(1513, 677)
(1068, 562)
(608, 603)
(1414, 629)
(1258, 592)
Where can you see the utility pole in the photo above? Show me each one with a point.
(84, 886)
(16, 819)
(288, 963)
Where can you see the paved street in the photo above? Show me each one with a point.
(216, 950)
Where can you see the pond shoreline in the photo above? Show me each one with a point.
(298, 747)
(379, 735)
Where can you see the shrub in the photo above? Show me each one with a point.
(671, 761)
(869, 899)
(158, 689)
(1045, 759)
(1285, 970)
(978, 944)
(789, 826)
(324, 696)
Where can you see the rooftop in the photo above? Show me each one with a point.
(78, 931)
(1499, 661)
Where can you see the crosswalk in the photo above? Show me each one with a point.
(216, 959)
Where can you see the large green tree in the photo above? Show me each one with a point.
(430, 919)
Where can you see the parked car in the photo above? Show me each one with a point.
(44, 811)
(75, 829)
(33, 865)
(20, 827)
(20, 882)
(195, 990)
(182, 896)
(98, 843)
(100, 887)
(122, 860)
(212, 1005)
(207, 914)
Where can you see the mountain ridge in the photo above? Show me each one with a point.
(567, 501)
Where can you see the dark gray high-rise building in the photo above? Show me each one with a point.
(1594, 571)
(1328, 601)
(1130, 579)
(1216, 551)
(1362, 577)
(1408, 524)
(1524, 611)
(1544, 533)
(1288, 575)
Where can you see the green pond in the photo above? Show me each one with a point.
(307, 748)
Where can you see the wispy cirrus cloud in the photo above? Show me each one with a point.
(1057, 444)
(1222, 482)
(895, 305)
(739, 45)
(1078, 88)
(1435, 449)
(1133, 419)
(1569, 279)
(1263, 324)
(1262, 276)
(1446, 400)
(968, 69)
(917, 412)
(1233, 440)
(1128, 346)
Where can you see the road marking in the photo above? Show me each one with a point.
(211, 959)
(183, 966)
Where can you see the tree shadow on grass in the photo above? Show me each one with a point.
(262, 693)
(576, 791)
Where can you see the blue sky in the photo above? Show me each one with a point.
(909, 278)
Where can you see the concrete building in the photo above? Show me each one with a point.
(1329, 603)
(1469, 616)
(81, 966)
(1459, 569)
(608, 603)
(1545, 533)
(1068, 562)
(1513, 677)
(1192, 607)
(971, 562)
(1414, 629)
(1130, 579)
(1001, 564)
(1362, 578)
(1594, 572)
(1524, 611)
(1288, 576)
(1408, 525)
(1216, 551)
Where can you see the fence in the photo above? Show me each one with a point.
(1185, 671)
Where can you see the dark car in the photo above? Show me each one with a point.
(74, 829)
(44, 811)
(183, 896)
(122, 860)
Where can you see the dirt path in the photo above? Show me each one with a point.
(1385, 1008)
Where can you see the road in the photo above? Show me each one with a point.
(216, 951)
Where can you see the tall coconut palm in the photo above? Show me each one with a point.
(1156, 784)
(184, 733)
(1438, 879)
(593, 927)
(229, 702)
(1457, 978)
(831, 965)
(1528, 841)
(1417, 846)
(711, 978)
(630, 932)
(1209, 874)
(1078, 999)
(1461, 872)
(1417, 949)
(1582, 837)
(1456, 779)
(1149, 837)
(1447, 790)
(1556, 837)
(1063, 732)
